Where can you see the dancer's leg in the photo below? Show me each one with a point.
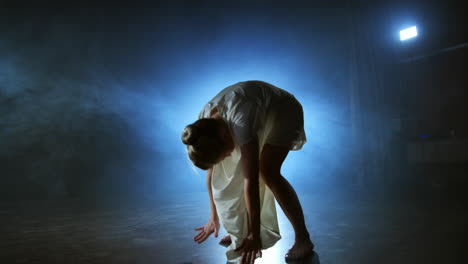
(271, 160)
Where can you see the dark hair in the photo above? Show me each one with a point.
(190, 135)
(204, 146)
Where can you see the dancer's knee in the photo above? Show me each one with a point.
(272, 179)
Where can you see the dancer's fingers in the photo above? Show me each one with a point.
(201, 238)
(197, 237)
(199, 228)
(247, 257)
(199, 234)
(243, 259)
(216, 232)
(251, 257)
(204, 237)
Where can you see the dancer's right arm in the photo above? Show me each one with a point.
(213, 222)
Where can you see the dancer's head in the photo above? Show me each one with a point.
(208, 142)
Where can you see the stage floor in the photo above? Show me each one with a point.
(345, 230)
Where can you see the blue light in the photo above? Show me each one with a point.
(408, 33)
(425, 136)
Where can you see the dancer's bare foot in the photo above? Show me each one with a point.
(226, 240)
(300, 249)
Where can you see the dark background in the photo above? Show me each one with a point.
(94, 96)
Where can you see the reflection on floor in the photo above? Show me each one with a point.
(344, 230)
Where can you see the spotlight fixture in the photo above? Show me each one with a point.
(408, 33)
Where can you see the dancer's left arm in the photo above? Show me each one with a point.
(251, 246)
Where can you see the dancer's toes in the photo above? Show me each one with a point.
(300, 249)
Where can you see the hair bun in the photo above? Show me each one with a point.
(190, 135)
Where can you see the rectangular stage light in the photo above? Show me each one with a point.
(408, 33)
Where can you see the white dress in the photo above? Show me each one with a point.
(276, 117)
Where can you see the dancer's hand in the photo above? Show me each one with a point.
(207, 230)
(251, 248)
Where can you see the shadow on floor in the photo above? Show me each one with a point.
(314, 259)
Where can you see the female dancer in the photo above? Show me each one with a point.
(242, 138)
